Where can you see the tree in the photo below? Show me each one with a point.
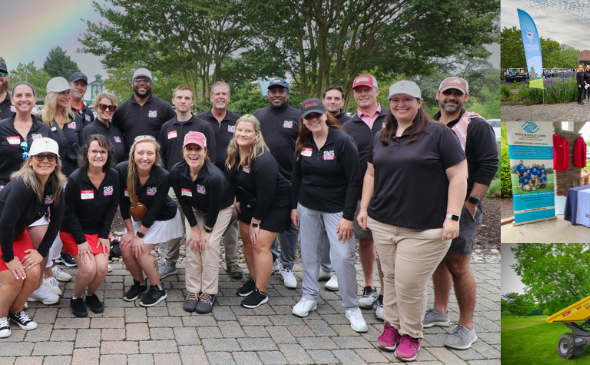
(519, 304)
(569, 57)
(58, 63)
(29, 73)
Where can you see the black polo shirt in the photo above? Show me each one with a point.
(6, 108)
(481, 151)
(153, 194)
(10, 145)
(19, 208)
(90, 210)
(411, 186)
(209, 193)
(342, 117)
(113, 133)
(224, 133)
(73, 133)
(264, 181)
(85, 114)
(172, 137)
(280, 129)
(137, 120)
(328, 180)
(363, 135)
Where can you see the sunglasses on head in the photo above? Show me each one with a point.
(311, 116)
(104, 107)
(41, 156)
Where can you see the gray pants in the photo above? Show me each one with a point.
(326, 263)
(288, 247)
(313, 225)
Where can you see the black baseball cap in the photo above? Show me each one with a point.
(312, 105)
(78, 76)
(3, 67)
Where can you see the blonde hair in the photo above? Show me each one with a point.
(49, 111)
(56, 179)
(101, 96)
(132, 173)
(256, 150)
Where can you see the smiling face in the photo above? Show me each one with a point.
(142, 87)
(45, 167)
(23, 99)
(80, 87)
(451, 100)
(245, 134)
(194, 155)
(404, 107)
(365, 97)
(144, 156)
(106, 114)
(220, 97)
(63, 99)
(97, 155)
(183, 101)
(278, 96)
(316, 122)
(333, 101)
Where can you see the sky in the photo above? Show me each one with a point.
(564, 21)
(510, 280)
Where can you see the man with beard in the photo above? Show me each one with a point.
(334, 101)
(279, 124)
(79, 81)
(478, 141)
(224, 124)
(6, 108)
(143, 113)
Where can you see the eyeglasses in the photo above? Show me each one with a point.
(148, 137)
(137, 80)
(104, 107)
(25, 147)
(2, 74)
(311, 116)
(41, 156)
(97, 152)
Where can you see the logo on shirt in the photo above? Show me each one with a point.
(201, 189)
(329, 155)
(152, 114)
(151, 191)
(172, 134)
(13, 140)
(117, 139)
(87, 194)
(383, 125)
(48, 199)
(306, 152)
(246, 169)
(231, 128)
(186, 192)
(108, 190)
(12, 109)
(36, 136)
(87, 117)
(72, 125)
(126, 193)
(288, 124)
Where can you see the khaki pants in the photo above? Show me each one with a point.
(202, 268)
(408, 259)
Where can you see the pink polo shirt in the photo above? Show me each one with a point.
(370, 119)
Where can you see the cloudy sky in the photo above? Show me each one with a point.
(564, 21)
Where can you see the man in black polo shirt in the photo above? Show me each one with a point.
(363, 125)
(79, 81)
(6, 108)
(334, 101)
(223, 123)
(478, 141)
(142, 113)
(279, 124)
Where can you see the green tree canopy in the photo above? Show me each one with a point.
(29, 73)
(519, 304)
(58, 63)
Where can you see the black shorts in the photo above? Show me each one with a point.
(463, 245)
(277, 218)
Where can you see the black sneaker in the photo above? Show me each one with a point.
(153, 296)
(23, 320)
(247, 288)
(66, 259)
(369, 298)
(94, 303)
(78, 307)
(255, 299)
(190, 303)
(135, 290)
(205, 304)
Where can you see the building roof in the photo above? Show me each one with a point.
(585, 56)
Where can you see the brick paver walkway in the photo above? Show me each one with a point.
(570, 112)
(165, 334)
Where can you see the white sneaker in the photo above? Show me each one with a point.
(332, 284)
(109, 268)
(276, 266)
(304, 306)
(4, 327)
(59, 274)
(289, 279)
(379, 310)
(357, 322)
(324, 275)
(43, 295)
(52, 286)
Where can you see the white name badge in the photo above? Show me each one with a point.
(126, 193)
(172, 134)
(87, 194)
(13, 140)
(187, 192)
(306, 152)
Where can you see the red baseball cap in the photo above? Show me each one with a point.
(197, 138)
(454, 83)
(365, 80)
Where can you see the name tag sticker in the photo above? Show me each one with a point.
(13, 140)
(126, 193)
(172, 134)
(87, 194)
(306, 152)
(187, 192)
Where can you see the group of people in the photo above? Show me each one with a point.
(408, 186)
(531, 177)
(583, 83)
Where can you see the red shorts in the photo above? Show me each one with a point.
(71, 247)
(21, 243)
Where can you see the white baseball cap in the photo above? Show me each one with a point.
(44, 144)
(404, 87)
(143, 72)
(58, 84)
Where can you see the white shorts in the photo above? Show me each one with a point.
(161, 231)
(43, 221)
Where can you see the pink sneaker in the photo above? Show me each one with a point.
(407, 349)
(388, 340)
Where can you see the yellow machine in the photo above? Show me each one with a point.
(572, 344)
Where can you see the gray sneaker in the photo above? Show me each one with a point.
(167, 269)
(369, 298)
(462, 338)
(435, 318)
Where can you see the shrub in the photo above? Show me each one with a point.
(505, 91)
(505, 165)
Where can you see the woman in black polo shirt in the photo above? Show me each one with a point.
(91, 197)
(144, 193)
(325, 189)
(413, 192)
(105, 105)
(263, 204)
(207, 203)
(34, 189)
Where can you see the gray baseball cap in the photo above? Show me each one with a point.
(404, 87)
(143, 72)
(58, 84)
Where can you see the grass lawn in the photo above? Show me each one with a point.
(517, 190)
(531, 340)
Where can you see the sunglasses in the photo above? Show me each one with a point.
(25, 147)
(137, 80)
(311, 116)
(2, 74)
(41, 156)
(104, 107)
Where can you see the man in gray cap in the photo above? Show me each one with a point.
(279, 124)
(6, 108)
(79, 82)
(142, 113)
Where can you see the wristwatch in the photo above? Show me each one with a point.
(140, 235)
(208, 230)
(255, 225)
(473, 199)
(453, 217)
